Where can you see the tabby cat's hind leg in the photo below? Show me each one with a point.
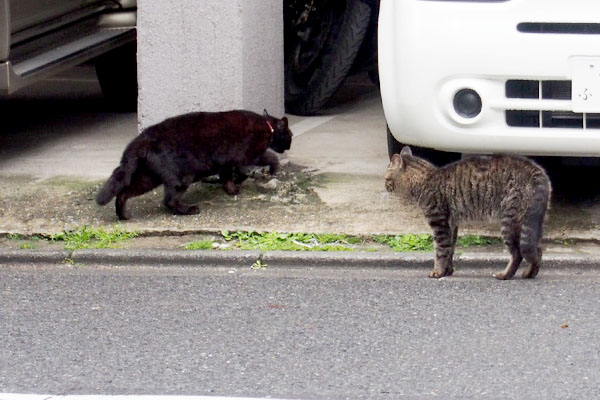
(531, 239)
(511, 233)
(534, 258)
(531, 249)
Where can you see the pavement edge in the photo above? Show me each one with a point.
(277, 259)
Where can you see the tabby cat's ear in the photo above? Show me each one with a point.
(396, 161)
(406, 151)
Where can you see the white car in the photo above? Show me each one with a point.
(518, 76)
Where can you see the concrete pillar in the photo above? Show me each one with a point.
(207, 55)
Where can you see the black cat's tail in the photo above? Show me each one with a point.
(532, 227)
(121, 176)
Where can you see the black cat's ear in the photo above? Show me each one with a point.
(406, 151)
(282, 124)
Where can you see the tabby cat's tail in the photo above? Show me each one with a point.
(532, 228)
(120, 178)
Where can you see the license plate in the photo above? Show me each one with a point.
(585, 92)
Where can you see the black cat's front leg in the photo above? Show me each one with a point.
(269, 159)
(239, 176)
(443, 246)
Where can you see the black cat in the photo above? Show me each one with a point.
(184, 149)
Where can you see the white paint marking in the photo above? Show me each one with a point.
(309, 123)
(16, 396)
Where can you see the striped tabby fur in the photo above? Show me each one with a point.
(511, 189)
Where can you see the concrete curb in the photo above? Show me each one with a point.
(33, 256)
(278, 259)
(287, 259)
(205, 258)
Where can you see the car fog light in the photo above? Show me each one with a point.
(467, 103)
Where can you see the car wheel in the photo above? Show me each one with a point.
(436, 157)
(322, 43)
(117, 74)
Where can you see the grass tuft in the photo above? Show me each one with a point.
(200, 245)
(407, 242)
(290, 241)
(89, 238)
(424, 242)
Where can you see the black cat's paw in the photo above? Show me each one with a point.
(183, 209)
(190, 210)
(123, 215)
(231, 188)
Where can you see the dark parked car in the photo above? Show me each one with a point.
(325, 41)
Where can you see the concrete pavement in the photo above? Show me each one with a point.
(297, 332)
(53, 161)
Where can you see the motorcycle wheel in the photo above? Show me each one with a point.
(309, 87)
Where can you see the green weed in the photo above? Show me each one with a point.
(290, 241)
(88, 238)
(200, 245)
(28, 246)
(424, 242)
(476, 240)
(259, 265)
(407, 242)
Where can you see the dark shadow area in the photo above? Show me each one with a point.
(573, 185)
(356, 89)
(65, 106)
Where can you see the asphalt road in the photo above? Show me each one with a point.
(298, 333)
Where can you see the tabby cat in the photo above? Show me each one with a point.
(512, 189)
(184, 149)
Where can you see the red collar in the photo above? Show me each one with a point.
(270, 126)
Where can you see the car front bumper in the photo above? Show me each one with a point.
(522, 57)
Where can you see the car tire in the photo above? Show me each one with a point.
(117, 75)
(436, 157)
(308, 91)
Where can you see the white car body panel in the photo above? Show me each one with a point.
(429, 50)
